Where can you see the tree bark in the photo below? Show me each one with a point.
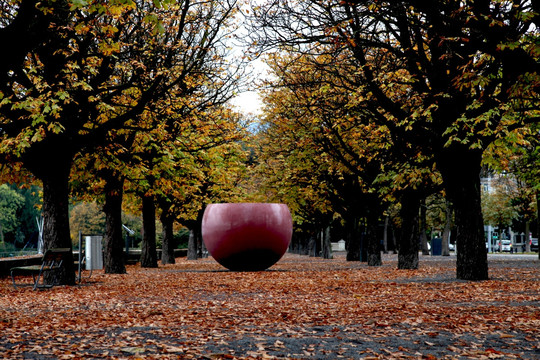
(299, 243)
(446, 231)
(373, 242)
(192, 253)
(51, 163)
(303, 245)
(408, 233)
(202, 251)
(202, 246)
(385, 234)
(353, 240)
(394, 240)
(312, 245)
(56, 223)
(294, 244)
(423, 227)
(114, 259)
(460, 169)
(148, 247)
(326, 244)
(527, 236)
(167, 247)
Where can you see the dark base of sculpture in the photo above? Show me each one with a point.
(250, 260)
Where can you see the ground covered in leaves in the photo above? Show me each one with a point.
(302, 308)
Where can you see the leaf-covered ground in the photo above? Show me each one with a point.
(302, 308)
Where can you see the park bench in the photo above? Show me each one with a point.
(51, 261)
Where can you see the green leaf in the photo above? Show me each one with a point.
(77, 4)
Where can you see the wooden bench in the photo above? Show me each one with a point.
(51, 261)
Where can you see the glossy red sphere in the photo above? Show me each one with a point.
(247, 236)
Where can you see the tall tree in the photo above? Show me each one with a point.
(100, 176)
(80, 70)
(148, 248)
(313, 99)
(194, 111)
(470, 69)
(408, 231)
(114, 259)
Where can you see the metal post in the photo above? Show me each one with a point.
(80, 255)
(490, 240)
(128, 233)
(40, 244)
(127, 243)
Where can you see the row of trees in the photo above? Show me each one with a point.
(99, 97)
(381, 102)
(372, 107)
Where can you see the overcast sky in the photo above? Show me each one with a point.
(248, 102)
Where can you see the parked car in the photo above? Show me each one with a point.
(534, 244)
(505, 245)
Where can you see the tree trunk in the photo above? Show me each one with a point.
(50, 161)
(114, 259)
(300, 244)
(202, 252)
(446, 231)
(527, 236)
(394, 240)
(385, 234)
(326, 244)
(353, 240)
(192, 253)
(312, 245)
(408, 233)
(167, 247)
(201, 248)
(304, 244)
(460, 169)
(294, 244)
(423, 227)
(149, 252)
(353, 244)
(56, 223)
(372, 240)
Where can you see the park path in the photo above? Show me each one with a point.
(302, 308)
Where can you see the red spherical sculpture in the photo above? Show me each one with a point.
(247, 236)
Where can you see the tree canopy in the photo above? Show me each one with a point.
(81, 74)
(369, 104)
(446, 78)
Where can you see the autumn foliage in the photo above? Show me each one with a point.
(304, 308)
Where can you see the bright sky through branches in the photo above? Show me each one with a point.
(248, 102)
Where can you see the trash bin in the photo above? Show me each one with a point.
(436, 247)
(94, 253)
